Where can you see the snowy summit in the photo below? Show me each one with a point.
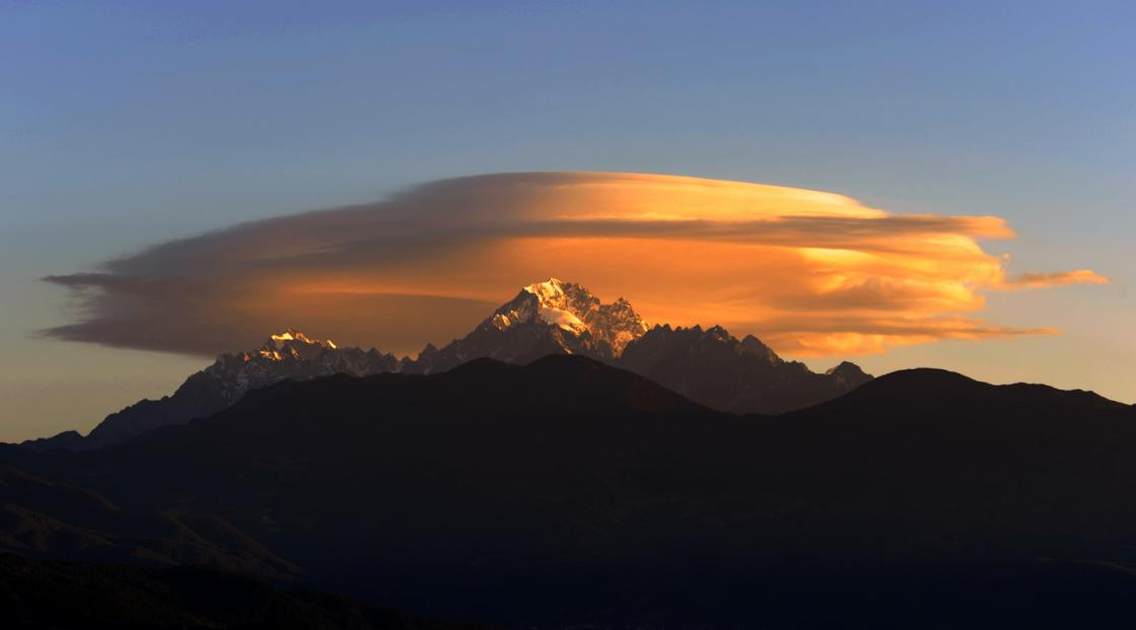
(573, 309)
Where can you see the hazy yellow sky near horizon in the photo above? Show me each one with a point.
(812, 273)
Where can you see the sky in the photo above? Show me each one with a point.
(125, 125)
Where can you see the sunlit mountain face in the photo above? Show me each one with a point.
(811, 273)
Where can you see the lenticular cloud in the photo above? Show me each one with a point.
(812, 273)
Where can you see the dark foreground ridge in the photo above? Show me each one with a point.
(46, 594)
(571, 492)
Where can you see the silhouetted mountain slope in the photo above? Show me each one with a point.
(67, 440)
(41, 594)
(716, 369)
(571, 491)
(44, 518)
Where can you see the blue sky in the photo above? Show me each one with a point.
(127, 123)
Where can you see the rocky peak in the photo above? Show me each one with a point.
(573, 309)
(849, 374)
(287, 355)
(291, 344)
(755, 346)
(713, 367)
(291, 354)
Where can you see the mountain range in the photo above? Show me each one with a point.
(566, 465)
(554, 317)
(571, 493)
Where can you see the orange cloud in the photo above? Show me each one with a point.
(813, 273)
(1059, 279)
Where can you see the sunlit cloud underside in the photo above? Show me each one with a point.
(812, 273)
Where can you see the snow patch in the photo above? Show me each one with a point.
(563, 319)
(547, 290)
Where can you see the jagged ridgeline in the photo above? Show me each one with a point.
(709, 366)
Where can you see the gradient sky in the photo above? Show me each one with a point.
(125, 124)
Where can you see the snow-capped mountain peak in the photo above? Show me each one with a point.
(290, 344)
(292, 354)
(293, 335)
(287, 355)
(573, 309)
(542, 301)
(550, 289)
(293, 343)
(550, 317)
